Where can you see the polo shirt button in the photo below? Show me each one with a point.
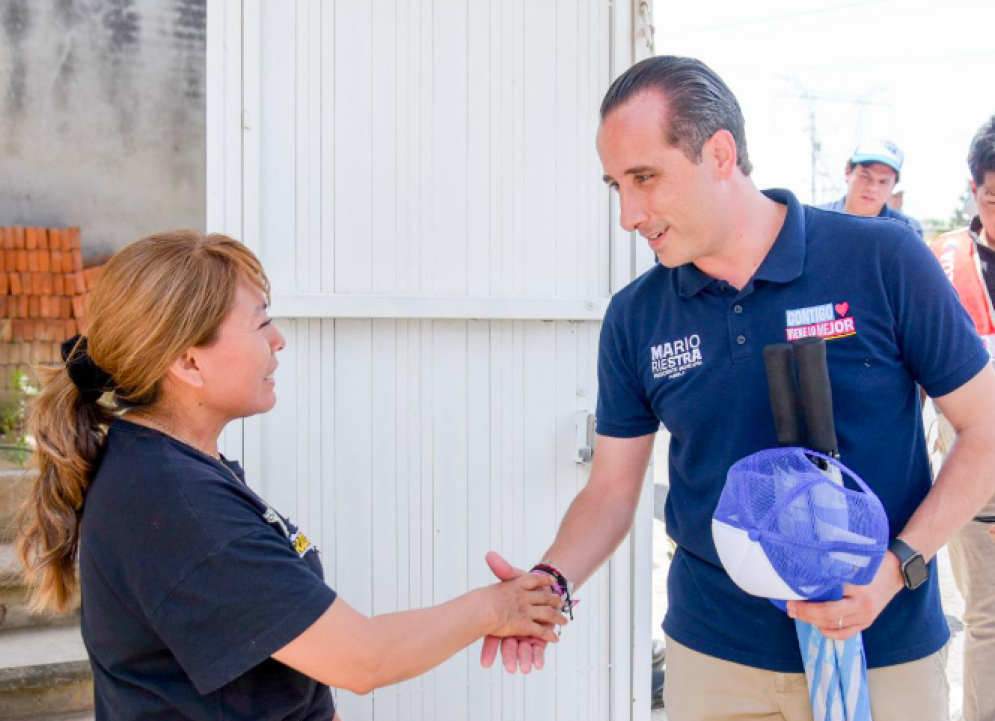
(741, 339)
(737, 309)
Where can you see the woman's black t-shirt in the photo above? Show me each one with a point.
(190, 582)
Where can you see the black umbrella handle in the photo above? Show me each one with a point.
(779, 362)
(816, 395)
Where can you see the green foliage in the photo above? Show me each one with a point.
(958, 218)
(14, 441)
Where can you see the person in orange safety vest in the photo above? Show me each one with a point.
(968, 258)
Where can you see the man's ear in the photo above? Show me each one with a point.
(974, 189)
(186, 369)
(721, 151)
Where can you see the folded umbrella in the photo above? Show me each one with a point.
(793, 523)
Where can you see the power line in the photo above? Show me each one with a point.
(788, 16)
(821, 10)
(906, 60)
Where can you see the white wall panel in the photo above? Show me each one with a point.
(429, 146)
(408, 449)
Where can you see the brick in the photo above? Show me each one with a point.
(92, 274)
(47, 283)
(79, 307)
(71, 239)
(58, 284)
(44, 307)
(7, 330)
(4, 284)
(34, 306)
(49, 331)
(6, 238)
(80, 282)
(18, 238)
(15, 283)
(3, 308)
(43, 238)
(10, 259)
(18, 324)
(33, 261)
(56, 258)
(31, 238)
(3, 261)
(78, 260)
(67, 307)
(44, 260)
(35, 283)
(71, 329)
(21, 259)
(54, 239)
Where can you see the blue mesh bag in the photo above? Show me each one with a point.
(795, 524)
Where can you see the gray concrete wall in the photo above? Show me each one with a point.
(102, 116)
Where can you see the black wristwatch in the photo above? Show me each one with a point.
(914, 570)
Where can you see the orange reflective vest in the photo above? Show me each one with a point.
(960, 262)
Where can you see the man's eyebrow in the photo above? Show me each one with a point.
(638, 170)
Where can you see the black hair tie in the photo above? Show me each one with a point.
(91, 380)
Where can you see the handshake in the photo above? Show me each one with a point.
(529, 606)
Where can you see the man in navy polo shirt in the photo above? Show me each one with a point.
(871, 175)
(740, 269)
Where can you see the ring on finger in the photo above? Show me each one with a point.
(839, 624)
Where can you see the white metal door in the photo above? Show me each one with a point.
(419, 179)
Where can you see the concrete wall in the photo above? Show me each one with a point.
(102, 114)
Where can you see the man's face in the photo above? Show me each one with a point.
(984, 194)
(868, 187)
(663, 195)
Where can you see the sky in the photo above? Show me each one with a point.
(822, 74)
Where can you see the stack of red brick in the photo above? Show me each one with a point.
(43, 289)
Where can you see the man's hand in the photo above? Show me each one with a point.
(516, 653)
(859, 606)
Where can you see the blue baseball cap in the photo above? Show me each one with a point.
(878, 150)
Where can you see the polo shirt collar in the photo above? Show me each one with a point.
(784, 261)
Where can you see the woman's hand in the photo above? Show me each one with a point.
(525, 606)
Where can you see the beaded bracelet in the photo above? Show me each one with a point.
(561, 587)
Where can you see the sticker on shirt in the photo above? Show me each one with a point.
(297, 539)
(675, 358)
(829, 321)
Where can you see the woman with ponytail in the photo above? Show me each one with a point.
(199, 600)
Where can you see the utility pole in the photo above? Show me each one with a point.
(861, 102)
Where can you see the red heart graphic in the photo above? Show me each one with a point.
(842, 308)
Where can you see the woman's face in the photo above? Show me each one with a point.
(237, 369)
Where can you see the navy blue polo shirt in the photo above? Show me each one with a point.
(682, 348)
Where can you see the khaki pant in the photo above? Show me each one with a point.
(704, 688)
(972, 558)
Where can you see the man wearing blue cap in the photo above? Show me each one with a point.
(871, 175)
(683, 345)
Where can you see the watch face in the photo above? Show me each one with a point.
(916, 572)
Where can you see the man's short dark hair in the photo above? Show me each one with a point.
(699, 104)
(981, 157)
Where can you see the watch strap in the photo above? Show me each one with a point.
(904, 551)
